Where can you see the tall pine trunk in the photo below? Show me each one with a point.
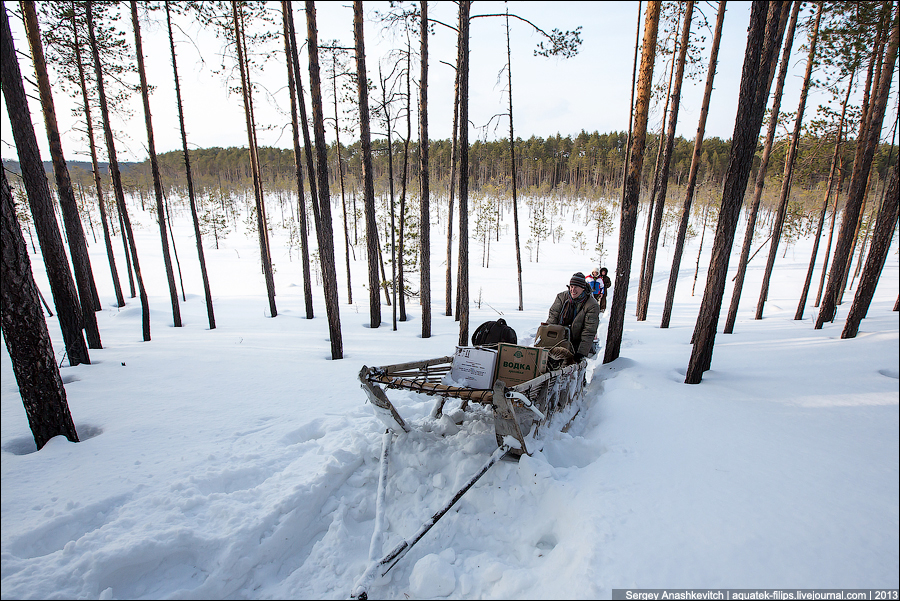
(261, 222)
(190, 179)
(424, 202)
(296, 89)
(25, 331)
(365, 138)
(324, 231)
(454, 160)
(154, 166)
(763, 40)
(463, 67)
(663, 176)
(632, 185)
(789, 168)
(801, 305)
(101, 200)
(65, 296)
(881, 243)
(865, 150)
(695, 166)
(761, 172)
(115, 174)
(512, 165)
(81, 264)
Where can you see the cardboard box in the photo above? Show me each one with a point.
(474, 367)
(517, 364)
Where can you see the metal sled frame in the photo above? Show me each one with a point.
(517, 409)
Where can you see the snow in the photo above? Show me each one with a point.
(243, 462)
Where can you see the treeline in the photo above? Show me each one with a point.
(587, 165)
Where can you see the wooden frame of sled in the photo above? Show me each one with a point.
(517, 409)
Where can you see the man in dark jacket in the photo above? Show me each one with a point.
(577, 309)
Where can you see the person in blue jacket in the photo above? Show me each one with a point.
(595, 282)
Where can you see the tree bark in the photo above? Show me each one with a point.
(101, 200)
(837, 198)
(763, 39)
(865, 150)
(463, 67)
(454, 149)
(323, 200)
(632, 186)
(512, 165)
(881, 243)
(115, 174)
(651, 204)
(424, 203)
(65, 296)
(801, 305)
(365, 138)
(154, 167)
(761, 172)
(190, 180)
(296, 89)
(695, 166)
(81, 264)
(261, 222)
(663, 176)
(789, 167)
(24, 328)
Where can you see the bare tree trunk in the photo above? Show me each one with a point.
(101, 202)
(763, 169)
(81, 264)
(154, 167)
(424, 204)
(763, 40)
(512, 161)
(834, 162)
(789, 167)
(368, 177)
(463, 67)
(864, 152)
(881, 243)
(837, 198)
(695, 166)
(634, 68)
(261, 222)
(24, 328)
(401, 291)
(294, 83)
(663, 175)
(390, 178)
(651, 204)
(190, 180)
(454, 149)
(324, 229)
(632, 185)
(340, 162)
(65, 296)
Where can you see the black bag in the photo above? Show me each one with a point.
(493, 332)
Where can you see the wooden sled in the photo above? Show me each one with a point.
(519, 411)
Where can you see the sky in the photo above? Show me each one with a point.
(590, 91)
(242, 462)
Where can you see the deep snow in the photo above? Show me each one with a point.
(242, 462)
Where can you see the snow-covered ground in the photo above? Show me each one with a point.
(242, 462)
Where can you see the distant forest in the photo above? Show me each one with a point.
(588, 165)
